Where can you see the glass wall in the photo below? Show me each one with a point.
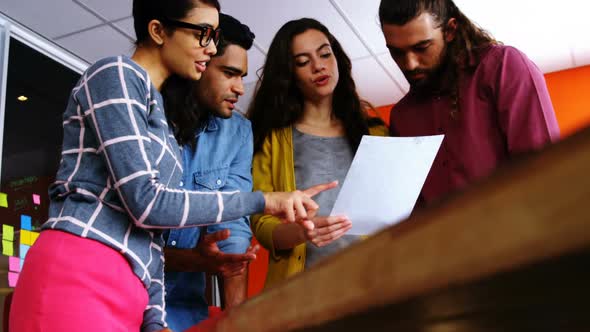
(36, 78)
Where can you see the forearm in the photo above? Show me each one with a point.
(235, 289)
(287, 236)
(180, 208)
(154, 315)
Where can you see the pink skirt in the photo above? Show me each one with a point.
(72, 284)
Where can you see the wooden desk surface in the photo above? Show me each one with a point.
(551, 296)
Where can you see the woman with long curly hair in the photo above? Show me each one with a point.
(308, 121)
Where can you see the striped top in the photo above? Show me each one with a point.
(119, 176)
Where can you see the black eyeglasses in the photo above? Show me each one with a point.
(208, 34)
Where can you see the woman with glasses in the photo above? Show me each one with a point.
(307, 121)
(98, 263)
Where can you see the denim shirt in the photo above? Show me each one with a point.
(222, 160)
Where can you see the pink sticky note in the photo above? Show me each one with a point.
(12, 279)
(36, 199)
(14, 264)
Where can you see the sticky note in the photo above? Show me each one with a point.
(28, 237)
(7, 248)
(25, 237)
(12, 279)
(14, 264)
(7, 232)
(3, 200)
(25, 222)
(36, 199)
(34, 236)
(23, 249)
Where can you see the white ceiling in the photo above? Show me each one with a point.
(554, 35)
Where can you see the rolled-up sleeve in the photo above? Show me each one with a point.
(526, 113)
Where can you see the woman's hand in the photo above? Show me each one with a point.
(327, 229)
(296, 206)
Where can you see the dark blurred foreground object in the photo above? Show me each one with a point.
(510, 254)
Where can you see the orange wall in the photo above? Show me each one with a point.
(570, 94)
(383, 112)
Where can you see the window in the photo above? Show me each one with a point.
(35, 83)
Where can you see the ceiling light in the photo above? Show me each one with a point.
(22, 98)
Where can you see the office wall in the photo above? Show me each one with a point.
(570, 93)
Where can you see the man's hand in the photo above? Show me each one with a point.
(215, 261)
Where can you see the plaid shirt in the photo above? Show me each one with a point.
(118, 180)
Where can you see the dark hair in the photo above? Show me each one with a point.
(463, 53)
(146, 10)
(278, 103)
(180, 104)
(233, 32)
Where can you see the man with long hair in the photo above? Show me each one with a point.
(489, 100)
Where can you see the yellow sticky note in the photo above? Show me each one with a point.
(34, 236)
(7, 248)
(7, 232)
(3, 200)
(25, 237)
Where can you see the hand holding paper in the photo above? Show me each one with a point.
(327, 229)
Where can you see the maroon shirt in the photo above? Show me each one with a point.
(505, 109)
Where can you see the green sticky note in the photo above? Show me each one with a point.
(7, 248)
(7, 232)
(3, 200)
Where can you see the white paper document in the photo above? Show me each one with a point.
(384, 181)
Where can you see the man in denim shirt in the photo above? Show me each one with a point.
(221, 160)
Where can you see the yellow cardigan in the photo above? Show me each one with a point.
(273, 170)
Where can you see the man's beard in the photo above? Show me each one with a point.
(218, 111)
(435, 79)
